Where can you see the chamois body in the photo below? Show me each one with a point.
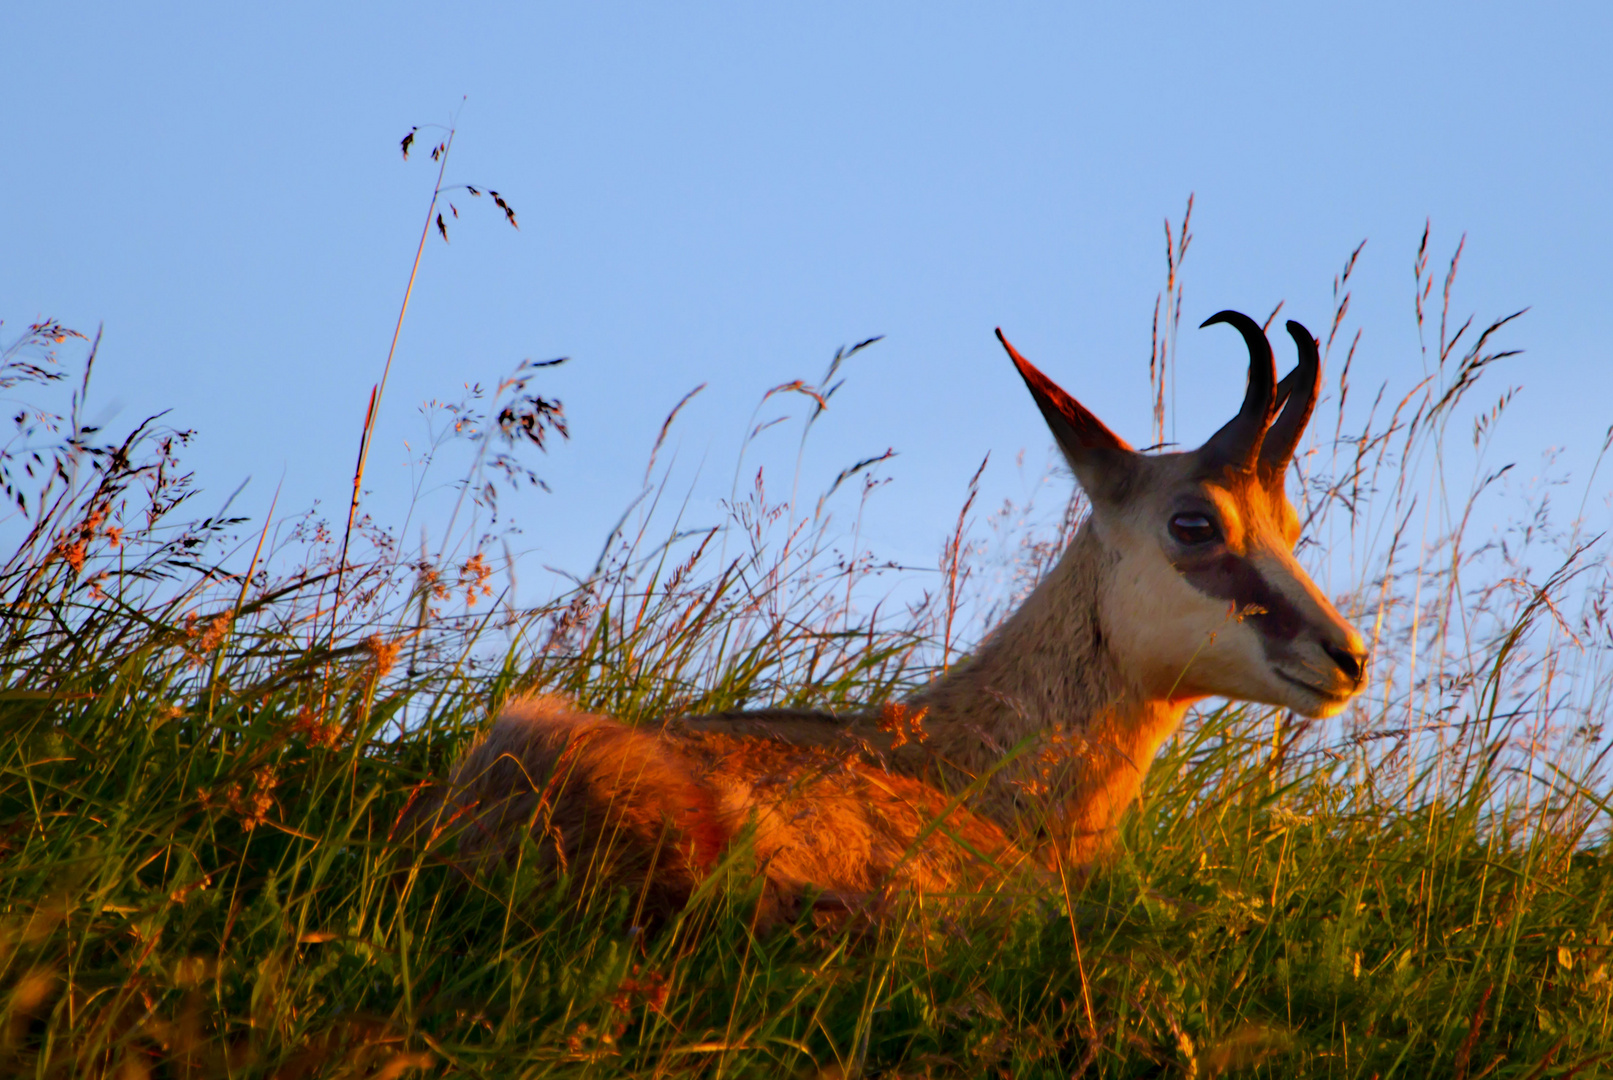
(662, 808)
(1179, 585)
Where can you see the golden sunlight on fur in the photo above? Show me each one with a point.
(662, 808)
(1180, 585)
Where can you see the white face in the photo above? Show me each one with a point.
(1204, 596)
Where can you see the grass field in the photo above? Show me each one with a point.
(206, 750)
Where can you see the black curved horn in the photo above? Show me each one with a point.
(1237, 444)
(1296, 396)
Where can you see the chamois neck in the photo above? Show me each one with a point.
(1047, 665)
(1047, 682)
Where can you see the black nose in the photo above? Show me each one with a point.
(1351, 663)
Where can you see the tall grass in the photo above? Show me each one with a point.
(202, 778)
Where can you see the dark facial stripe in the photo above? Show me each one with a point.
(1231, 577)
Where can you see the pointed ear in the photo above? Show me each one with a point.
(1100, 459)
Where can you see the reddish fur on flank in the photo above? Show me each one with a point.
(660, 809)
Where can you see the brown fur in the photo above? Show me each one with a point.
(1048, 729)
(661, 808)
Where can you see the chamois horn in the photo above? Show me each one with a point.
(1237, 444)
(1296, 397)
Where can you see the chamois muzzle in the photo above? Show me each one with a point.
(1237, 444)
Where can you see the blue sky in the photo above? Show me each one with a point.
(725, 193)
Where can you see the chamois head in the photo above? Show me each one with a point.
(1199, 592)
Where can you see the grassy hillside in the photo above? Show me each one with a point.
(207, 748)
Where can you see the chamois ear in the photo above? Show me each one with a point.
(1100, 459)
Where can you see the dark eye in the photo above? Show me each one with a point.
(1193, 529)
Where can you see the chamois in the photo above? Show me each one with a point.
(1180, 584)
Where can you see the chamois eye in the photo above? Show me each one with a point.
(1194, 529)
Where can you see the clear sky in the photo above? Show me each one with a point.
(725, 193)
